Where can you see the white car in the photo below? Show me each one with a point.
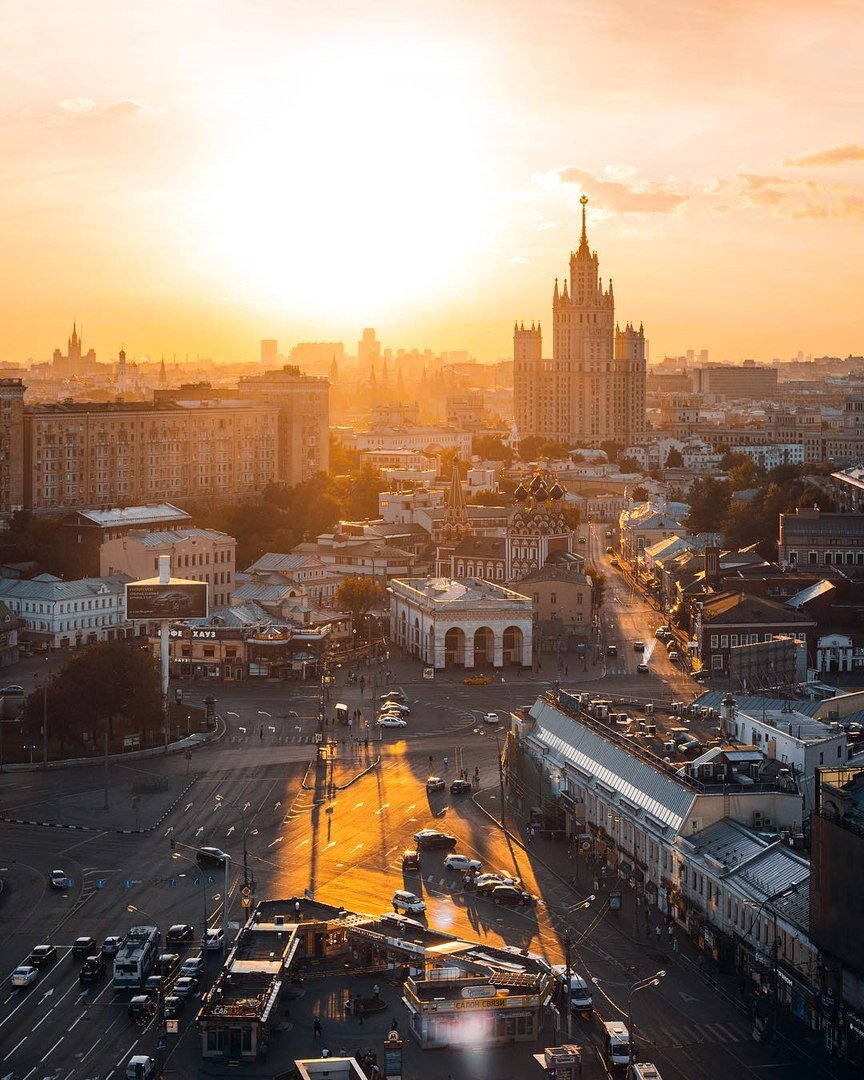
(407, 901)
(393, 695)
(59, 880)
(185, 987)
(490, 718)
(140, 1066)
(192, 966)
(214, 939)
(25, 975)
(461, 862)
(395, 706)
(391, 721)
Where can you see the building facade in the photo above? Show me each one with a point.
(466, 623)
(810, 538)
(59, 614)
(593, 388)
(11, 445)
(303, 403)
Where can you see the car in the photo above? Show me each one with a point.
(83, 946)
(153, 984)
(460, 787)
(581, 1000)
(185, 986)
(179, 934)
(614, 562)
(610, 551)
(490, 718)
(59, 879)
(400, 920)
(173, 1006)
(432, 838)
(435, 783)
(410, 859)
(92, 969)
(393, 695)
(611, 650)
(25, 975)
(12, 690)
(638, 646)
(192, 966)
(140, 1067)
(391, 721)
(477, 680)
(674, 655)
(642, 669)
(166, 964)
(510, 895)
(141, 1007)
(485, 883)
(461, 862)
(582, 540)
(211, 856)
(214, 939)
(662, 632)
(407, 901)
(43, 955)
(111, 945)
(395, 706)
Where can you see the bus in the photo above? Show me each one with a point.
(616, 1049)
(136, 956)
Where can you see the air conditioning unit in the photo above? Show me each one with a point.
(758, 820)
(669, 746)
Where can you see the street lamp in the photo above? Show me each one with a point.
(641, 984)
(568, 944)
(176, 856)
(242, 809)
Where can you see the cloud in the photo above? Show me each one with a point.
(78, 105)
(617, 190)
(793, 197)
(834, 155)
(520, 259)
(86, 108)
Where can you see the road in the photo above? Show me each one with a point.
(344, 850)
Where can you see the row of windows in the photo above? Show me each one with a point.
(725, 641)
(852, 558)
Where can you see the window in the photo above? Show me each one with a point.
(553, 598)
(733, 639)
(812, 557)
(715, 641)
(768, 637)
(724, 641)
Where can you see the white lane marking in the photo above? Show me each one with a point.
(76, 1022)
(382, 808)
(302, 843)
(126, 1055)
(274, 842)
(355, 848)
(90, 1051)
(14, 1048)
(53, 1048)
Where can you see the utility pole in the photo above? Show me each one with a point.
(105, 769)
(500, 778)
(567, 978)
(45, 709)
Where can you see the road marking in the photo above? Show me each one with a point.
(357, 806)
(76, 1022)
(382, 808)
(90, 1051)
(331, 844)
(14, 1048)
(408, 809)
(44, 1018)
(355, 848)
(126, 1055)
(47, 994)
(302, 843)
(273, 843)
(188, 808)
(53, 1048)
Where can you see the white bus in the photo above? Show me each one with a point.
(616, 1048)
(136, 956)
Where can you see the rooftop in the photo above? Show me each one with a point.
(170, 537)
(736, 608)
(463, 592)
(151, 513)
(814, 523)
(48, 587)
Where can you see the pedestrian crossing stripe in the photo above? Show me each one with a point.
(682, 1034)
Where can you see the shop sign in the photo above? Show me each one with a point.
(856, 1026)
(479, 992)
(784, 977)
(709, 938)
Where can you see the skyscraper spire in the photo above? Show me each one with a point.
(583, 242)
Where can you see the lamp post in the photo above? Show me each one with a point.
(45, 709)
(177, 856)
(160, 995)
(568, 945)
(642, 984)
(242, 809)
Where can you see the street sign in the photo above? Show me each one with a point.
(128, 884)
(172, 881)
(100, 883)
(246, 901)
(171, 1026)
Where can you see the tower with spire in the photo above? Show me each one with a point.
(592, 390)
(75, 361)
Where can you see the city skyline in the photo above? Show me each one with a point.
(194, 190)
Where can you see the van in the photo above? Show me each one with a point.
(404, 901)
(581, 1000)
(616, 1044)
(643, 1070)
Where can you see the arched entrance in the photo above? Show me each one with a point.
(484, 647)
(454, 647)
(513, 641)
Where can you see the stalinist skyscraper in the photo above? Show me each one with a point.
(593, 388)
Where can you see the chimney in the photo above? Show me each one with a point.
(712, 565)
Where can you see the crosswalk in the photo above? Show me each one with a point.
(272, 740)
(673, 1036)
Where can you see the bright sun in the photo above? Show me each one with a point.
(348, 187)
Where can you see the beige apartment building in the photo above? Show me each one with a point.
(593, 388)
(303, 404)
(196, 555)
(11, 445)
(114, 454)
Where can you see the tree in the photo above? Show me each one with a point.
(537, 446)
(357, 595)
(709, 502)
(674, 459)
(639, 493)
(97, 687)
(598, 580)
(491, 448)
(629, 464)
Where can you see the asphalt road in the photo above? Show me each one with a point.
(345, 850)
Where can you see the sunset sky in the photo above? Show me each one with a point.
(187, 176)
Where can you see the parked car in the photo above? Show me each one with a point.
(432, 838)
(59, 880)
(435, 783)
(83, 946)
(510, 895)
(410, 859)
(179, 934)
(485, 883)
(192, 966)
(395, 706)
(185, 986)
(92, 969)
(404, 901)
(674, 656)
(611, 650)
(393, 695)
(25, 975)
(460, 787)
(210, 856)
(43, 955)
(388, 720)
(477, 680)
(12, 690)
(111, 945)
(461, 862)
(642, 669)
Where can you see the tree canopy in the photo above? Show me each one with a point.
(358, 595)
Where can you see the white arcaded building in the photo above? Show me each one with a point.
(461, 622)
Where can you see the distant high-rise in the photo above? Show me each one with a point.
(368, 349)
(11, 445)
(76, 361)
(121, 371)
(269, 350)
(593, 388)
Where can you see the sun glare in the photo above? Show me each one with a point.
(348, 187)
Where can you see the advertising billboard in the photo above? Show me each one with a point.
(176, 599)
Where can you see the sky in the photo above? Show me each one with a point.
(188, 177)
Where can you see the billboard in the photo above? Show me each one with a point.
(175, 599)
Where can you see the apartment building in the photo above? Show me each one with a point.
(60, 614)
(809, 538)
(11, 445)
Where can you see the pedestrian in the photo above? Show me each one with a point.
(375, 990)
(366, 742)
(359, 1008)
(393, 1025)
(325, 1052)
(566, 669)
(261, 732)
(657, 932)
(674, 944)
(670, 930)
(446, 762)
(343, 1053)
(316, 1028)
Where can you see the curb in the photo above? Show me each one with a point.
(341, 787)
(156, 824)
